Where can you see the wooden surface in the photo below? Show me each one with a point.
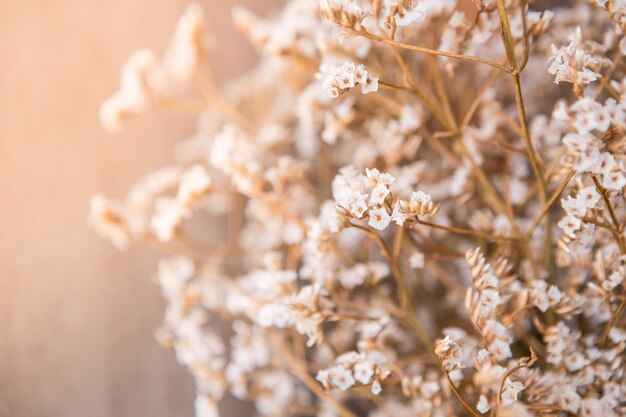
(77, 317)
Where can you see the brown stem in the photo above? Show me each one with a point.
(301, 373)
(404, 296)
(616, 224)
(614, 319)
(467, 405)
(550, 202)
(431, 51)
(467, 232)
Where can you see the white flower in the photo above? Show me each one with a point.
(511, 391)
(378, 177)
(570, 224)
(416, 260)
(358, 206)
(363, 372)
(195, 183)
(613, 178)
(449, 352)
(573, 64)
(378, 194)
(483, 405)
(422, 205)
(592, 407)
(370, 85)
(401, 212)
(585, 149)
(417, 13)
(379, 218)
(428, 389)
(341, 377)
(575, 361)
(574, 206)
(340, 79)
(588, 197)
(349, 358)
(613, 281)
(206, 406)
(500, 349)
(377, 388)
(167, 218)
(569, 400)
(186, 47)
(173, 273)
(108, 219)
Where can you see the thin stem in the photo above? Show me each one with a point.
(614, 319)
(428, 102)
(526, 38)
(301, 373)
(609, 73)
(550, 202)
(507, 36)
(537, 171)
(492, 193)
(467, 232)
(441, 91)
(404, 297)
(474, 106)
(460, 397)
(431, 51)
(397, 241)
(616, 224)
(504, 378)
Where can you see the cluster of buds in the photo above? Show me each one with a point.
(367, 368)
(419, 205)
(449, 353)
(344, 13)
(405, 12)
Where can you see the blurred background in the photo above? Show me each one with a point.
(77, 318)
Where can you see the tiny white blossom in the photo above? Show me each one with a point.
(377, 388)
(570, 224)
(341, 377)
(569, 400)
(400, 212)
(378, 194)
(378, 177)
(416, 260)
(417, 13)
(511, 391)
(379, 218)
(340, 79)
(483, 405)
(363, 372)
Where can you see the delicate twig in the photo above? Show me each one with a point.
(404, 295)
(474, 106)
(614, 319)
(429, 51)
(467, 232)
(550, 202)
(460, 397)
(301, 373)
(616, 223)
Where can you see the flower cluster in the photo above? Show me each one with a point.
(340, 79)
(352, 368)
(147, 82)
(574, 63)
(400, 253)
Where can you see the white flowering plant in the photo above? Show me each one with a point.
(425, 209)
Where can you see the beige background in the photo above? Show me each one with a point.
(77, 317)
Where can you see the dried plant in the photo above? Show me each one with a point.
(390, 175)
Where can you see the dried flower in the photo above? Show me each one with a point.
(313, 291)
